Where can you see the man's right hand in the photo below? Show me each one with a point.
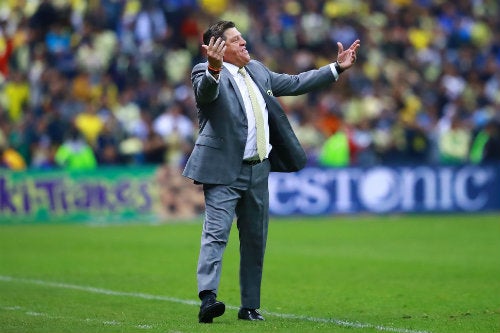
(215, 52)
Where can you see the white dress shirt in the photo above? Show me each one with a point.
(251, 145)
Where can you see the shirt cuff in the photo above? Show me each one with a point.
(334, 72)
(212, 77)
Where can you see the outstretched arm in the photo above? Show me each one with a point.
(286, 85)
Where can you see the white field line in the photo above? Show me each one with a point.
(86, 320)
(338, 322)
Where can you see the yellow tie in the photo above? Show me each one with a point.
(259, 117)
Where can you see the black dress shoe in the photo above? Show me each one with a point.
(249, 314)
(209, 309)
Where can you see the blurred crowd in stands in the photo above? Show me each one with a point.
(87, 83)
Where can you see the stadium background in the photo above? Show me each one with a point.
(111, 80)
(102, 71)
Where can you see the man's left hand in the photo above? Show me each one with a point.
(347, 58)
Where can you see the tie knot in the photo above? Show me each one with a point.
(242, 71)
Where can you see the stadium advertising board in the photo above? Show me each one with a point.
(417, 189)
(105, 195)
(149, 194)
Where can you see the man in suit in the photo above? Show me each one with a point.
(243, 135)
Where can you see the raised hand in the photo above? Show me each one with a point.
(347, 58)
(215, 52)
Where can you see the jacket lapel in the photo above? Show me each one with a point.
(236, 89)
(270, 101)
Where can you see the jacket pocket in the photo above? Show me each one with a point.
(210, 141)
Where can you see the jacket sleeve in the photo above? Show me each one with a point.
(292, 85)
(205, 88)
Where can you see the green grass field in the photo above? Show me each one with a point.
(407, 274)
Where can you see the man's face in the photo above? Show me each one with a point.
(236, 51)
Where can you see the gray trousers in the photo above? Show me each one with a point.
(248, 198)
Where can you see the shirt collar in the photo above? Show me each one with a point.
(233, 69)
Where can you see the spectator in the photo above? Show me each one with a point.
(6, 47)
(17, 93)
(155, 148)
(11, 159)
(128, 112)
(59, 51)
(39, 23)
(177, 131)
(150, 26)
(75, 154)
(45, 135)
(42, 156)
(454, 143)
(491, 150)
(89, 124)
(363, 154)
(107, 143)
(336, 151)
(173, 122)
(308, 135)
